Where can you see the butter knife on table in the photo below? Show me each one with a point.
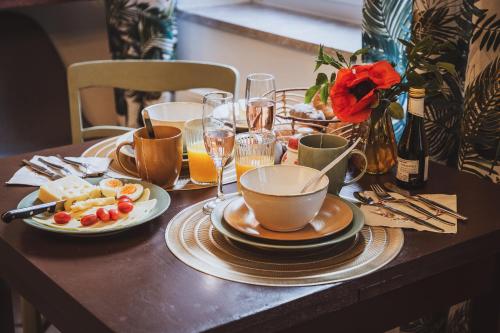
(428, 202)
(26, 212)
(42, 170)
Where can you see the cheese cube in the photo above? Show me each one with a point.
(71, 188)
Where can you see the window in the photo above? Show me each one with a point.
(349, 11)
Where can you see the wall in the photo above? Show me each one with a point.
(291, 68)
(78, 31)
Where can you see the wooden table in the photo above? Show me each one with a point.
(132, 283)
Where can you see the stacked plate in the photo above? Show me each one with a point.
(338, 222)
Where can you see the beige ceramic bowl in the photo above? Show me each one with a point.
(174, 113)
(273, 195)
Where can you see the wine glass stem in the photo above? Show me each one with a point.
(220, 194)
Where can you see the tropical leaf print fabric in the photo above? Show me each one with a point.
(479, 149)
(463, 121)
(384, 23)
(140, 29)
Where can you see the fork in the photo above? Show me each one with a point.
(78, 164)
(369, 201)
(385, 196)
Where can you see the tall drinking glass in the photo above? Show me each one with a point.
(253, 150)
(201, 167)
(260, 98)
(219, 130)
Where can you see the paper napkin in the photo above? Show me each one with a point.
(380, 217)
(26, 176)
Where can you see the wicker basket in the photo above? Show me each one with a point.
(286, 98)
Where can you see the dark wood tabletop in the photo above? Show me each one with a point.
(131, 282)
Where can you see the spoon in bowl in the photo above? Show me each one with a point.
(327, 168)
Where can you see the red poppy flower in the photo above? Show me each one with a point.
(354, 89)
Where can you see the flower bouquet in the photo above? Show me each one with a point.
(368, 95)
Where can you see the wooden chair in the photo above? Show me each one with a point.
(142, 75)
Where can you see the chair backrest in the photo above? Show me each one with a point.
(142, 75)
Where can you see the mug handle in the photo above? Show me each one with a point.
(362, 173)
(122, 165)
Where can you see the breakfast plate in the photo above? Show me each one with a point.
(219, 223)
(334, 216)
(143, 212)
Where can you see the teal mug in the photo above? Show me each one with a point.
(318, 150)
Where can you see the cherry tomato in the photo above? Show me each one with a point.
(113, 214)
(62, 218)
(124, 198)
(102, 214)
(125, 207)
(88, 220)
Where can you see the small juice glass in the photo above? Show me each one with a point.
(201, 166)
(253, 150)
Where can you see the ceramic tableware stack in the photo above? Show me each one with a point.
(272, 214)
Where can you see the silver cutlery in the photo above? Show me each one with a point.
(21, 213)
(42, 170)
(54, 166)
(369, 201)
(79, 165)
(428, 202)
(385, 196)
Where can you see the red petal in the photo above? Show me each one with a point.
(384, 75)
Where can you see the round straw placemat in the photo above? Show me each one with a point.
(192, 239)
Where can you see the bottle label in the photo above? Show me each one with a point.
(407, 170)
(416, 106)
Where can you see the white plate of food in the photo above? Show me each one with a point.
(97, 207)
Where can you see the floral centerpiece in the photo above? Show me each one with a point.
(369, 93)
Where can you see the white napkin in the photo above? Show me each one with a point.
(379, 217)
(26, 176)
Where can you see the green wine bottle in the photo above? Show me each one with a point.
(413, 152)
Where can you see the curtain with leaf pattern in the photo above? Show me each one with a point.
(463, 121)
(140, 29)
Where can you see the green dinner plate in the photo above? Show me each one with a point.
(224, 228)
(162, 204)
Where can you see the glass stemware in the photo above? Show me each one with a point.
(260, 99)
(219, 130)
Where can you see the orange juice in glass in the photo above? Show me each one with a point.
(253, 150)
(201, 166)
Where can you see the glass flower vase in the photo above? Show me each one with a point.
(380, 144)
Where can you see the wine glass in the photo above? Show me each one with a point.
(260, 98)
(219, 130)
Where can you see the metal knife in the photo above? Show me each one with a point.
(42, 170)
(411, 217)
(371, 202)
(428, 202)
(55, 166)
(26, 212)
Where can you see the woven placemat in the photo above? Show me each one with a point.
(191, 238)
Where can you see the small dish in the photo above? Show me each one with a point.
(334, 216)
(273, 194)
(160, 195)
(218, 222)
